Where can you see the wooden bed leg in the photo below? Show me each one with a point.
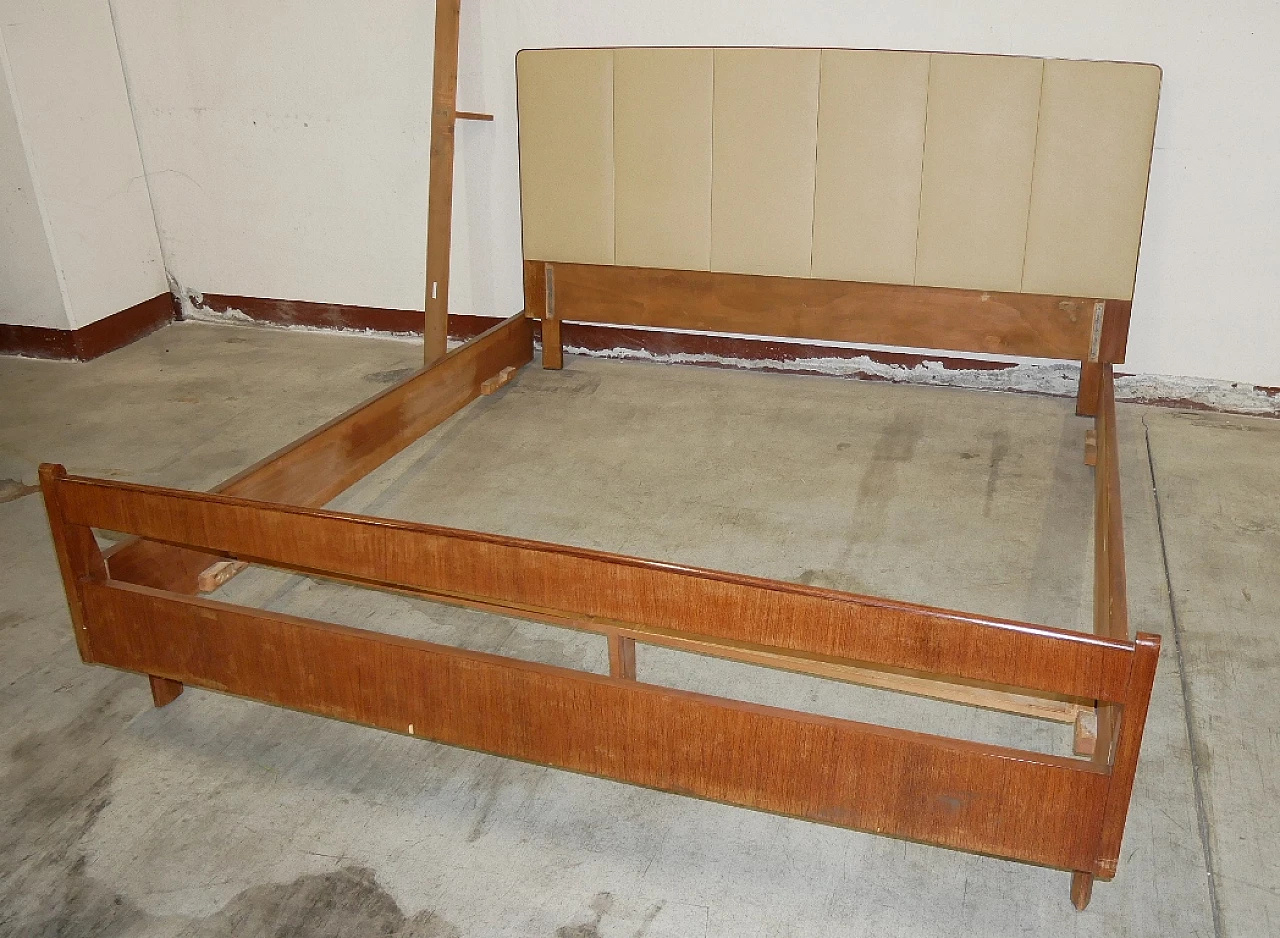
(1090, 447)
(1081, 889)
(552, 347)
(163, 690)
(1090, 388)
(622, 657)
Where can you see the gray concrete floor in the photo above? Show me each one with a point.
(216, 816)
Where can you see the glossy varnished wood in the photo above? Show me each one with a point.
(1119, 726)
(825, 310)
(317, 467)
(1043, 809)
(768, 614)
(1041, 706)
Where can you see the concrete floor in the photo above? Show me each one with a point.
(216, 816)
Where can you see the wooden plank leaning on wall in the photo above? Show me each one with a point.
(444, 116)
(1022, 805)
(317, 467)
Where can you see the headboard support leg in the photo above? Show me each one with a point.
(540, 301)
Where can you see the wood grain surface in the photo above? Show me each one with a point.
(1039, 808)
(768, 614)
(828, 310)
(317, 467)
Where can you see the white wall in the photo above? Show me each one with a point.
(74, 122)
(29, 290)
(287, 140)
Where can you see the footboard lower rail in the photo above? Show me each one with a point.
(1061, 812)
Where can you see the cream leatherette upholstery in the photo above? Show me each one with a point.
(984, 172)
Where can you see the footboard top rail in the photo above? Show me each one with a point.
(646, 594)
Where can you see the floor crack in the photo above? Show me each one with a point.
(1197, 781)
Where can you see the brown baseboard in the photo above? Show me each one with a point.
(91, 341)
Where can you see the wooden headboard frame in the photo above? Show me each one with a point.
(972, 203)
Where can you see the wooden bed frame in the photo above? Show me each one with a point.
(136, 606)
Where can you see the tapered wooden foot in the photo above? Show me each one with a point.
(163, 690)
(1081, 889)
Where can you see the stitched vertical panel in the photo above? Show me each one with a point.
(662, 145)
(765, 128)
(1093, 156)
(979, 150)
(566, 154)
(871, 116)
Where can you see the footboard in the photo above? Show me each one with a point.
(1062, 812)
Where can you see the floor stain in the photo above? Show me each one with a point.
(345, 902)
(896, 446)
(389, 377)
(55, 786)
(648, 920)
(832, 580)
(600, 907)
(11, 490)
(999, 452)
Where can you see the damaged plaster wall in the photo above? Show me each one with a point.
(1059, 379)
(288, 150)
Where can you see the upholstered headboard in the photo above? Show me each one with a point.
(997, 174)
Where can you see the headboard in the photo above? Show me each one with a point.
(968, 202)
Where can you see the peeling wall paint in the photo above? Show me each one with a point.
(194, 310)
(1058, 380)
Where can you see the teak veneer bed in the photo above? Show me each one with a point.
(973, 203)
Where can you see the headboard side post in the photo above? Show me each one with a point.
(1108, 347)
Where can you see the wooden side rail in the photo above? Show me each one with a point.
(317, 467)
(1110, 599)
(766, 614)
(1060, 812)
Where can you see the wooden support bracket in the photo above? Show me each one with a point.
(1085, 739)
(489, 385)
(218, 573)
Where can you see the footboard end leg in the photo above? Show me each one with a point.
(163, 690)
(1081, 889)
